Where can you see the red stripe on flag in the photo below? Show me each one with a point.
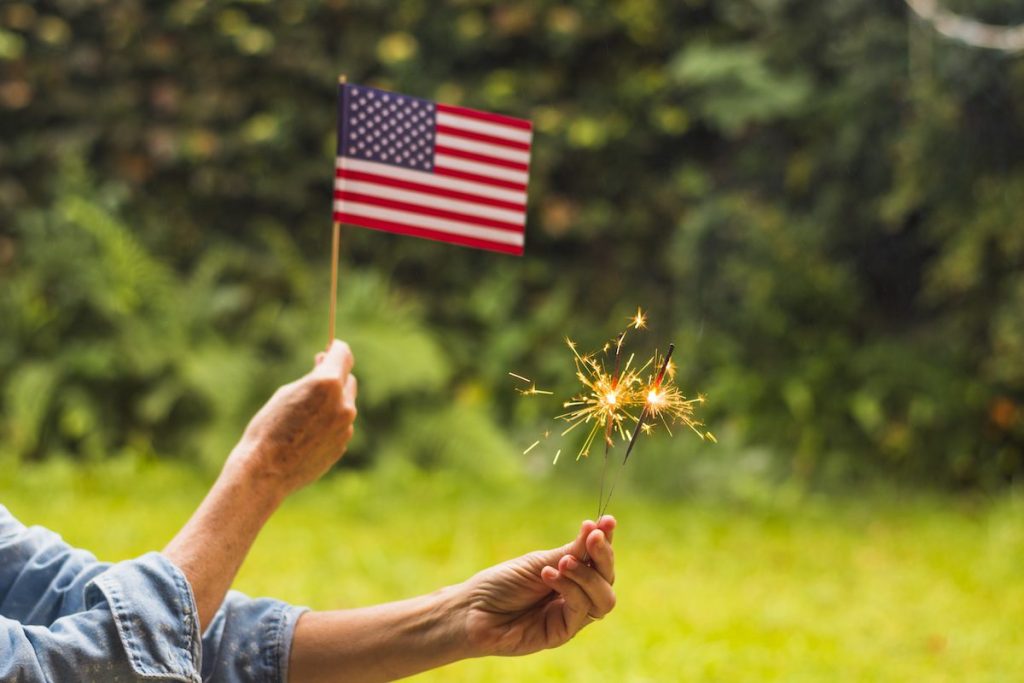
(428, 189)
(481, 137)
(388, 226)
(477, 178)
(482, 158)
(499, 119)
(427, 210)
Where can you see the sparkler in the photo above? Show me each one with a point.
(654, 402)
(605, 400)
(610, 402)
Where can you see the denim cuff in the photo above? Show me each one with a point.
(279, 632)
(249, 640)
(155, 615)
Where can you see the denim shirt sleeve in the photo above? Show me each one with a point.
(249, 640)
(65, 616)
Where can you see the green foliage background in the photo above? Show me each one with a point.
(818, 201)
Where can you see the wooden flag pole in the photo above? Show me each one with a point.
(335, 248)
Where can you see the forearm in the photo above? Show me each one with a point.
(211, 546)
(293, 439)
(380, 643)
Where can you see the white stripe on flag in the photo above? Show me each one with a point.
(424, 178)
(475, 126)
(430, 200)
(480, 168)
(496, 151)
(418, 220)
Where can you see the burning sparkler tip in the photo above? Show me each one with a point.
(638, 321)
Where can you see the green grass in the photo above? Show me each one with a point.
(879, 588)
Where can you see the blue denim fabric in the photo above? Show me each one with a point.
(64, 616)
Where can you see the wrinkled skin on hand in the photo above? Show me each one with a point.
(544, 598)
(305, 427)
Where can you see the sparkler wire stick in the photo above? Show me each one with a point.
(608, 426)
(646, 410)
(636, 430)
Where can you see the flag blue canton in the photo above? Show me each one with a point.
(389, 128)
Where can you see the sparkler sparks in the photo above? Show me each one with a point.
(626, 401)
(532, 390)
(605, 400)
(665, 401)
(638, 321)
(612, 401)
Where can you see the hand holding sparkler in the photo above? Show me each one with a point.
(542, 599)
(537, 601)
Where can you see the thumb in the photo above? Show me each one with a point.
(336, 362)
(577, 547)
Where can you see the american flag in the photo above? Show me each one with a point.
(415, 167)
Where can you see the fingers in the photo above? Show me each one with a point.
(351, 391)
(579, 546)
(598, 591)
(336, 362)
(585, 593)
(577, 604)
(607, 524)
(601, 555)
(348, 398)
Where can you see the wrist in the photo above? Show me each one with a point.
(450, 607)
(459, 600)
(242, 471)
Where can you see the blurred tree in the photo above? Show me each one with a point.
(820, 199)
